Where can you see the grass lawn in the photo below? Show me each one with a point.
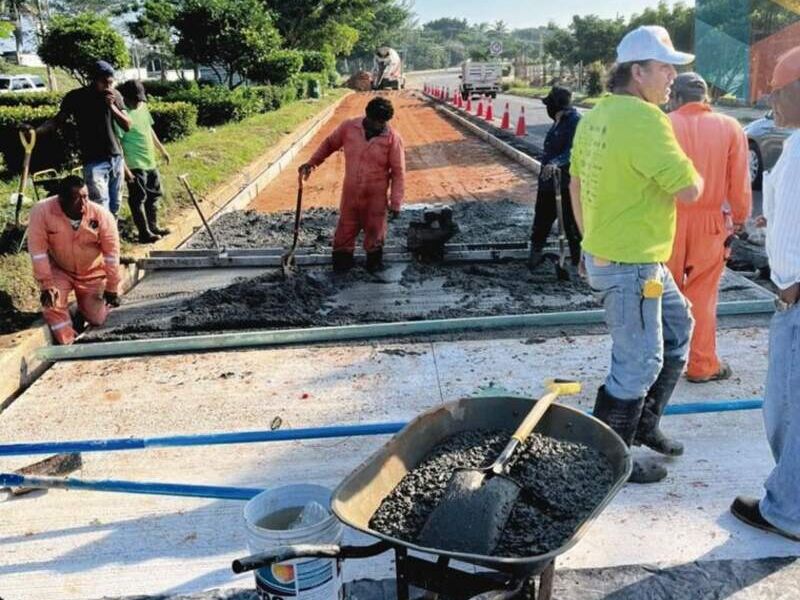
(210, 156)
(541, 92)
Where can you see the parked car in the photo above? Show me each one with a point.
(766, 144)
(10, 84)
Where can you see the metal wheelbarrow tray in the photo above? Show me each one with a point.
(361, 493)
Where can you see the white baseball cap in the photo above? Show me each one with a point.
(650, 42)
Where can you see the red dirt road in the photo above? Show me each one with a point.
(444, 164)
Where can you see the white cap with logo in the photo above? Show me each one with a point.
(650, 42)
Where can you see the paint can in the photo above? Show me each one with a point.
(268, 517)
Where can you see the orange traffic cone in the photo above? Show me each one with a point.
(459, 102)
(447, 94)
(522, 129)
(469, 105)
(506, 122)
(490, 112)
(480, 109)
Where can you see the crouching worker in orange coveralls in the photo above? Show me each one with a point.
(74, 246)
(374, 158)
(718, 148)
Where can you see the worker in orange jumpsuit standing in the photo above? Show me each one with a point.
(374, 159)
(74, 246)
(717, 146)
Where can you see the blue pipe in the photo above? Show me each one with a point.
(13, 480)
(309, 433)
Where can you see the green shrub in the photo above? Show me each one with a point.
(56, 150)
(159, 89)
(32, 99)
(278, 68)
(303, 83)
(218, 105)
(173, 120)
(315, 61)
(594, 79)
(274, 96)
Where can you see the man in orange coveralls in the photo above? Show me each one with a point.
(374, 158)
(74, 246)
(718, 148)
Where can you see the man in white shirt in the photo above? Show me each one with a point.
(779, 510)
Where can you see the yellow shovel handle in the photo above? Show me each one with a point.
(28, 144)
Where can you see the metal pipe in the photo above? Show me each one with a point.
(13, 480)
(285, 337)
(309, 433)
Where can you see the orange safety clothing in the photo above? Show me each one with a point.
(370, 167)
(718, 148)
(84, 260)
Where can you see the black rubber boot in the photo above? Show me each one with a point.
(152, 221)
(146, 236)
(648, 433)
(375, 260)
(535, 258)
(623, 417)
(342, 261)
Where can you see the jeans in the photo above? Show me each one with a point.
(781, 504)
(104, 180)
(644, 331)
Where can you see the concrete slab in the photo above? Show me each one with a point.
(81, 544)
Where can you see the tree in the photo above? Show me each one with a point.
(560, 43)
(499, 28)
(235, 35)
(76, 43)
(448, 29)
(154, 26)
(596, 38)
(679, 21)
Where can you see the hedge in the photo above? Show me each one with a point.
(32, 99)
(173, 120)
(218, 105)
(279, 68)
(315, 61)
(160, 89)
(303, 83)
(273, 96)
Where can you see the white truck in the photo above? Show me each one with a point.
(480, 79)
(387, 70)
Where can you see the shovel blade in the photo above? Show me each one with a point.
(472, 514)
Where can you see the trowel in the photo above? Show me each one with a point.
(477, 502)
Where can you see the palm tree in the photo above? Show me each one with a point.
(499, 27)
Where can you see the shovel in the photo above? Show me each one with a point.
(477, 502)
(561, 265)
(288, 264)
(14, 235)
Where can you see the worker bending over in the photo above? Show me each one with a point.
(718, 148)
(74, 246)
(627, 172)
(374, 159)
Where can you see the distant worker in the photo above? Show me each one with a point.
(139, 144)
(557, 149)
(718, 148)
(778, 511)
(628, 171)
(374, 160)
(96, 109)
(74, 246)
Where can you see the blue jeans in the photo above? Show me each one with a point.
(781, 504)
(644, 331)
(104, 180)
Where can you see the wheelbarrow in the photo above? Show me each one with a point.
(359, 496)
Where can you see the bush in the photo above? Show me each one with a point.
(159, 89)
(57, 151)
(317, 62)
(218, 105)
(32, 99)
(303, 83)
(173, 120)
(278, 68)
(274, 96)
(594, 79)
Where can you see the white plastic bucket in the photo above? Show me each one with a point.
(305, 578)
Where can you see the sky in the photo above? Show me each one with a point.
(527, 13)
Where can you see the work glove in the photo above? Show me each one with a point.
(49, 297)
(111, 298)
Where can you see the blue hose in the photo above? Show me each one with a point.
(308, 433)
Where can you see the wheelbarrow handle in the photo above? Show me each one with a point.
(282, 553)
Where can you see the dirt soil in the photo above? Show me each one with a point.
(503, 220)
(444, 164)
(562, 483)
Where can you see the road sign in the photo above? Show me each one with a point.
(496, 48)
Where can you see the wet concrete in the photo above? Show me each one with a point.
(479, 221)
(562, 482)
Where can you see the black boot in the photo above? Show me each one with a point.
(648, 433)
(623, 417)
(146, 236)
(152, 221)
(375, 260)
(535, 258)
(342, 261)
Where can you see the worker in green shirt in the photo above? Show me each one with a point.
(628, 171)
(141, 170)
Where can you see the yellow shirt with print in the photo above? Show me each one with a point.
(630, 166)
